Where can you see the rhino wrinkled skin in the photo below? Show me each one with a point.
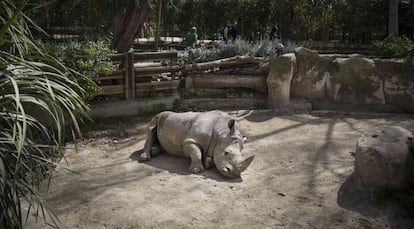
(208, 138)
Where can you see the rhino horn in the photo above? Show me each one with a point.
(245, 163)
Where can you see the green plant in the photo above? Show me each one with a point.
(29, 147)
(90, 59)
(395, 46)
(179, 106)
(157, 108)
(262, 48)
(150, 91)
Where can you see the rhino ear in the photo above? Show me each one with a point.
(245, 163)
(232, 124)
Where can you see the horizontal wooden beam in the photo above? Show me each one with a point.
(112, 89)
(117, 74)
(118, 57)
(157, 70)
(146, 56)
(209, 80)
(157, 86)
(232, 61)
(111, 77)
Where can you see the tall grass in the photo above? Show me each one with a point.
(30, 90)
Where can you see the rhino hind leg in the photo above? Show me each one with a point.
(150, 148)
(193, 151)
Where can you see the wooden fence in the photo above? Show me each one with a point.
(136, 74)
(210, 83)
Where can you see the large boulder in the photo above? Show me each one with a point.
(384, 158)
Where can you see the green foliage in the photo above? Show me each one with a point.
(150, 91)
(37, 101)
(297, 20)
(262, 48)
(88, 60)
(395, 46)
(179, 106)
(157, 108)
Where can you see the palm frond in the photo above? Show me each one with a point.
(37, 101)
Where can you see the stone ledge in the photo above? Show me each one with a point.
(130, 107)
(220, 103)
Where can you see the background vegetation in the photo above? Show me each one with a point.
(43, 86)
(88, 59)
(341, 20)
(38, 101)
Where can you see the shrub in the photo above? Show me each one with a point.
(89, 59)
(261, 48)
(395, 46)
(30, 141)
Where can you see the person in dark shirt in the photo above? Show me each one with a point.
(230, 32)
(233, 32)
(273, 33)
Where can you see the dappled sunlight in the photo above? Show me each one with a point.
(300, 163)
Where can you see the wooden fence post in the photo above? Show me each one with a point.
(127, 77)
(130, 75)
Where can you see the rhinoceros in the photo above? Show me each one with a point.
(208, 138)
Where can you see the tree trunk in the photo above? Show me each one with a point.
(393, 17)
(157, 28)
(129, 23)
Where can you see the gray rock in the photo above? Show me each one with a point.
(384, 157)
(279, 80)
(345, 80)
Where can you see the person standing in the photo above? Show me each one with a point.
(191, 38)
(230, 32)
(226, 30)
(273, 33)
(233, 32)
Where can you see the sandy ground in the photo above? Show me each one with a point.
(300, 178)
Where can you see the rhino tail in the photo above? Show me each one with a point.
(150, 149)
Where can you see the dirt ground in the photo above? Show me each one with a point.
(300, 178)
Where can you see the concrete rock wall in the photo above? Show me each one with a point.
(340, 79)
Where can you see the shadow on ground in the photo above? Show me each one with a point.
(354, 197)
(179, 165)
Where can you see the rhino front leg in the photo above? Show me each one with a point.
(193, 151)
(150, 140)
(208, 162)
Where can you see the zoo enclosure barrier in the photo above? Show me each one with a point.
(151, 74)
(135, 76)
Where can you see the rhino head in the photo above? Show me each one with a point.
(228, 158)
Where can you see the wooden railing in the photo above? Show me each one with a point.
(238, 81)
(131, 80)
